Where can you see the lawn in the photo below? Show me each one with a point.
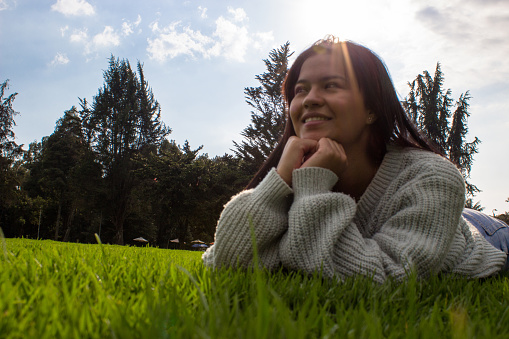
(63, 290)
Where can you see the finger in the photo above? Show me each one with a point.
(332, 145)
(330, 155)
(298, 149)
(293, 154)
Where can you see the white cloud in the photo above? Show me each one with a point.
(79, 36)
(203, 12)
(59, 59)
(73, 7)
(477, 30)
(231, 39)
(154, 27)
(138, 21)
(262, 39)
(239, 14)
(128, 27)
(7, 4)
(170, 43)
(63, 30)
(107, 38)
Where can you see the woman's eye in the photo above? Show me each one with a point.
(299, 89)
(332, 85)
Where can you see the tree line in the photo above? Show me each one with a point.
(109, 167)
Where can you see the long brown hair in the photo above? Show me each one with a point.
(375, 84)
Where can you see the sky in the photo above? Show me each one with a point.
(198, 56)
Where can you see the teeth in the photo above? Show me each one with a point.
(315, 119)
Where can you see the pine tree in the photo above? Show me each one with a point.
(268, 116)
(9, 150)
(123, 119)
(460, 152)
(7, 114)
(61, 154)
(429, 106)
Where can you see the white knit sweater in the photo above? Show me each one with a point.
(408, 219)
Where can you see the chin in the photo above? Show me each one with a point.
(313, 136)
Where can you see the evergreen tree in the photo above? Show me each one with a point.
(461, 152)
(9, 152)
(268, 116)
(35, 190)
(123, 119)
(469, 203)
(504, 216)
(54, 174)
(223, 178)
(186, 191)
(7, 114)
(429, 106)
(172, 180)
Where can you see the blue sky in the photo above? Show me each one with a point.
(199, 55)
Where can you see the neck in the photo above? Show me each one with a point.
(358, 175)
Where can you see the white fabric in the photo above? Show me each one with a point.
(409, 218)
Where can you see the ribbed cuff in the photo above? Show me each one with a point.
(312, 180)
(274, 185)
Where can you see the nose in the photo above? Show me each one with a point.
(313, 98)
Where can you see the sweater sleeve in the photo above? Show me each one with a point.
(263, 209)
(421, 220)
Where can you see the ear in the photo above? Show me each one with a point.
(371, 118)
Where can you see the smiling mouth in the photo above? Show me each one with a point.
(315, 119)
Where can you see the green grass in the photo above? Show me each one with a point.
(63, 290)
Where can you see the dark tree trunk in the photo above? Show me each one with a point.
(59, 213)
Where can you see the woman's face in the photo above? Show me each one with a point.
(327, 105)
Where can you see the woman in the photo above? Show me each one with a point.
(352, 188)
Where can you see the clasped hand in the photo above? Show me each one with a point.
(301, 153)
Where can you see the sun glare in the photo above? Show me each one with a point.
(361, 20)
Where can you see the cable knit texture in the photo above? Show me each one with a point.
(408, 219)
